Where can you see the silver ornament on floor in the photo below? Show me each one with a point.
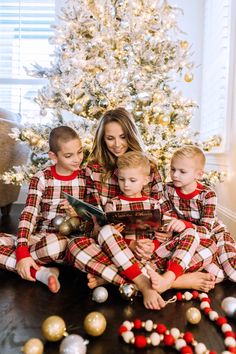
(73, 344)
(57, 221)
(228, 305)
(128, 291)
(100, 294)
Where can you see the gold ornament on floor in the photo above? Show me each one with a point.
(193, 315)
(95, 324)
(54, 328)
(57, 221)
(74, 222)
(188, 77)
(33, 346)
(65, 228)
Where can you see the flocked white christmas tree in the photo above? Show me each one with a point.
(111, 53)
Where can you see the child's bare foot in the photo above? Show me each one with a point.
(196, 280)
(53, 282)
(152, 300)
(161, 283)
(95, 281)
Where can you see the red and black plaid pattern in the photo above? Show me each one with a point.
(44, 248)
(43, 202)
(108, 189)
(201, 212)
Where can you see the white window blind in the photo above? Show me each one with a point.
(215, 74)
(25, 26)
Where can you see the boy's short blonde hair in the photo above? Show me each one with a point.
(191, 152)
(134, 159)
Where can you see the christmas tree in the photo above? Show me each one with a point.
(111, 53)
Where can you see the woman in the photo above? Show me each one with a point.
(116, 134)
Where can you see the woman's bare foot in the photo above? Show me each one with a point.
(53, 282)
(94, 281)
(161, 283)
(196, 280)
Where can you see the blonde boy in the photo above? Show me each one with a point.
(195, 204)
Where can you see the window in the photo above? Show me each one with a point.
(25, 27)
(215, 102)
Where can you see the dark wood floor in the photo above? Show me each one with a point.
(24, 306)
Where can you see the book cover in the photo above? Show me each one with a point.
(141, 223)
(86, 210)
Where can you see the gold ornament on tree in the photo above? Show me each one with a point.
(183, 44)
(188, 77)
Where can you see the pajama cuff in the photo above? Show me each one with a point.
(188, 224)
(128, 241)
(156, 244)
(22, 252)
(175, 268)
(132, 272)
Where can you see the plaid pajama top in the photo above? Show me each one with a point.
(198, 207)
(44, 196)
(106, 190)
(122, 203)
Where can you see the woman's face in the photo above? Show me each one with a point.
(115, 139)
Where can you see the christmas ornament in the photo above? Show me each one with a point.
(73, 344)
(33, 346)
(95, 324)
(34, 140)
(188, 77)
(77, 108)
(193, 315)
(100, 294)
(184, 44)
(228, 305)
(57, 221)
(185, 343)
(54, 328)
(163, 119)
(65, 228)
(128, 291)
(74, 223)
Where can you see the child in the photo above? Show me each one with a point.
(185, 248)
(195, 205)
(37, 242)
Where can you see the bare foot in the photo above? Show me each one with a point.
(152, 300)
(161, 283)
(196, 280)
(53, 282)
(94, 281)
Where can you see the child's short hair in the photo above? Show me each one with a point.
(133, 159)
(191, 151)
(59, 135)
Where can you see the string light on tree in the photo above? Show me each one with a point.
(110, 54)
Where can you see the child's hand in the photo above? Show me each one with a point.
(144, 248)
(70, 211)
(96, 226)
(23, 268)
(163, 236)
(176, 225)
(119, 227)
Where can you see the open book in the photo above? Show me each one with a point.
(138, 222)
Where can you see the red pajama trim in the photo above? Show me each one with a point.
(175, 268)
(188, 224)
(132, 272)
(22, 252)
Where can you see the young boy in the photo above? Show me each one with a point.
(37, 242)
(195, 205)
(181, 252)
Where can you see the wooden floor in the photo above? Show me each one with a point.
(24, 306)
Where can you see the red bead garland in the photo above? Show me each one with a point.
(185, 343)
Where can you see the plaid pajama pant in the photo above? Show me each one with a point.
(111, 257)
(44, 248)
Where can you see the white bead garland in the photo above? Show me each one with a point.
(200, 348)
(180, 343)
(213, 315)
(155, 339)
(149, 325)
